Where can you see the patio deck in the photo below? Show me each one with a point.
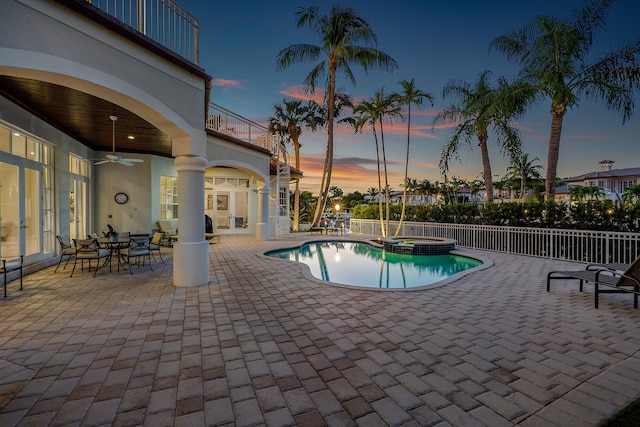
(262, 345)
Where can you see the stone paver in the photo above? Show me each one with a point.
(262, 344)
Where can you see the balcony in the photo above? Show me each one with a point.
(162, 21)
(223, 121)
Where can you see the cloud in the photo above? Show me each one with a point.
(299, 92)
(348, 173)
(228, 84)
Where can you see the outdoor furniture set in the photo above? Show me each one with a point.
(126, 248)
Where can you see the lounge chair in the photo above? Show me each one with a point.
(605, 280)
(614, 266)
(166, 227)
(170, 234)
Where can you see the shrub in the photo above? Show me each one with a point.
(591, 215)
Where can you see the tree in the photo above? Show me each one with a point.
(372, 113)
(554, 58)
(339, 32)
(410, 95)
(475, 109)
(352, 200)
(287, 122)
(425, 188)
(372, 192)
(631, 194)
(524, 170)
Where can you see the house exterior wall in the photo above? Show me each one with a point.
(46, 41)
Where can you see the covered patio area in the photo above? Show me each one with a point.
(263, 345)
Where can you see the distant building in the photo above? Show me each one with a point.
(612, 181)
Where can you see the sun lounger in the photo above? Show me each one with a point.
(171, 235)
(605, 279)
(615, 266)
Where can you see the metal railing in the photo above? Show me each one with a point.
(568, 245)
(163, 21)
(226, 122)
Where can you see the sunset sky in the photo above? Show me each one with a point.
(433, 43)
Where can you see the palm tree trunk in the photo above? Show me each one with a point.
(486, 167)
(386, 180)
(296, 196)
(406, 173)
(557, 114)
(328, 164)
(380, 215)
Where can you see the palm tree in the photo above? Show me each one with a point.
(287, 122)
(524, 170)
(372, 113)
(477, 108)
(372, 192)
(339, 32)
(409, 95)
(425, 188)
(410, 184)
(631, 194)
(553, 57)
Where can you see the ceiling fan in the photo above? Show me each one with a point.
(113, 157)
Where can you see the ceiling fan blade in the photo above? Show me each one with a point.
(102, 162)
(124, 162)
(134, 160)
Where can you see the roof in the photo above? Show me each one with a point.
(293, 172)
(614, 173)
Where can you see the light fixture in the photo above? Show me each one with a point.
(131, 137)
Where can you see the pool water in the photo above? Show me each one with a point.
(362, 264)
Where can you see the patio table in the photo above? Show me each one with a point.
(115, 245)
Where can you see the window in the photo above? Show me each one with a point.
(5, 139)
(601, 184)
(168, 197)
(78, 166)
(282, 199)
(626, 184)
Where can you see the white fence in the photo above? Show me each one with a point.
(570, 245)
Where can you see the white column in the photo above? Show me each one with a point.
(263, 231)
(191, 251)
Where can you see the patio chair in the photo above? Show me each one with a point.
(88, 250)
(138, 248)
(605, 280)
(66, 250)
(154, 245)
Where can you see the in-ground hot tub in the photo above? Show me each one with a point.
(418, 245)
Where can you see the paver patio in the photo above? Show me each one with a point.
(263, 345)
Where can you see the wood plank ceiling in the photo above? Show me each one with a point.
(85, 117)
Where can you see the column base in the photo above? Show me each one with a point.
(262, 232)
(190, 264)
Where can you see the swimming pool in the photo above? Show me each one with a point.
(365, 265)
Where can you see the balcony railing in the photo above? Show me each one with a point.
(224, 121)
(568, 245)
(163, 21)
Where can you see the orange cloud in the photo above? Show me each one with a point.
(228, 84)
(299, 92)
(348, 173)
